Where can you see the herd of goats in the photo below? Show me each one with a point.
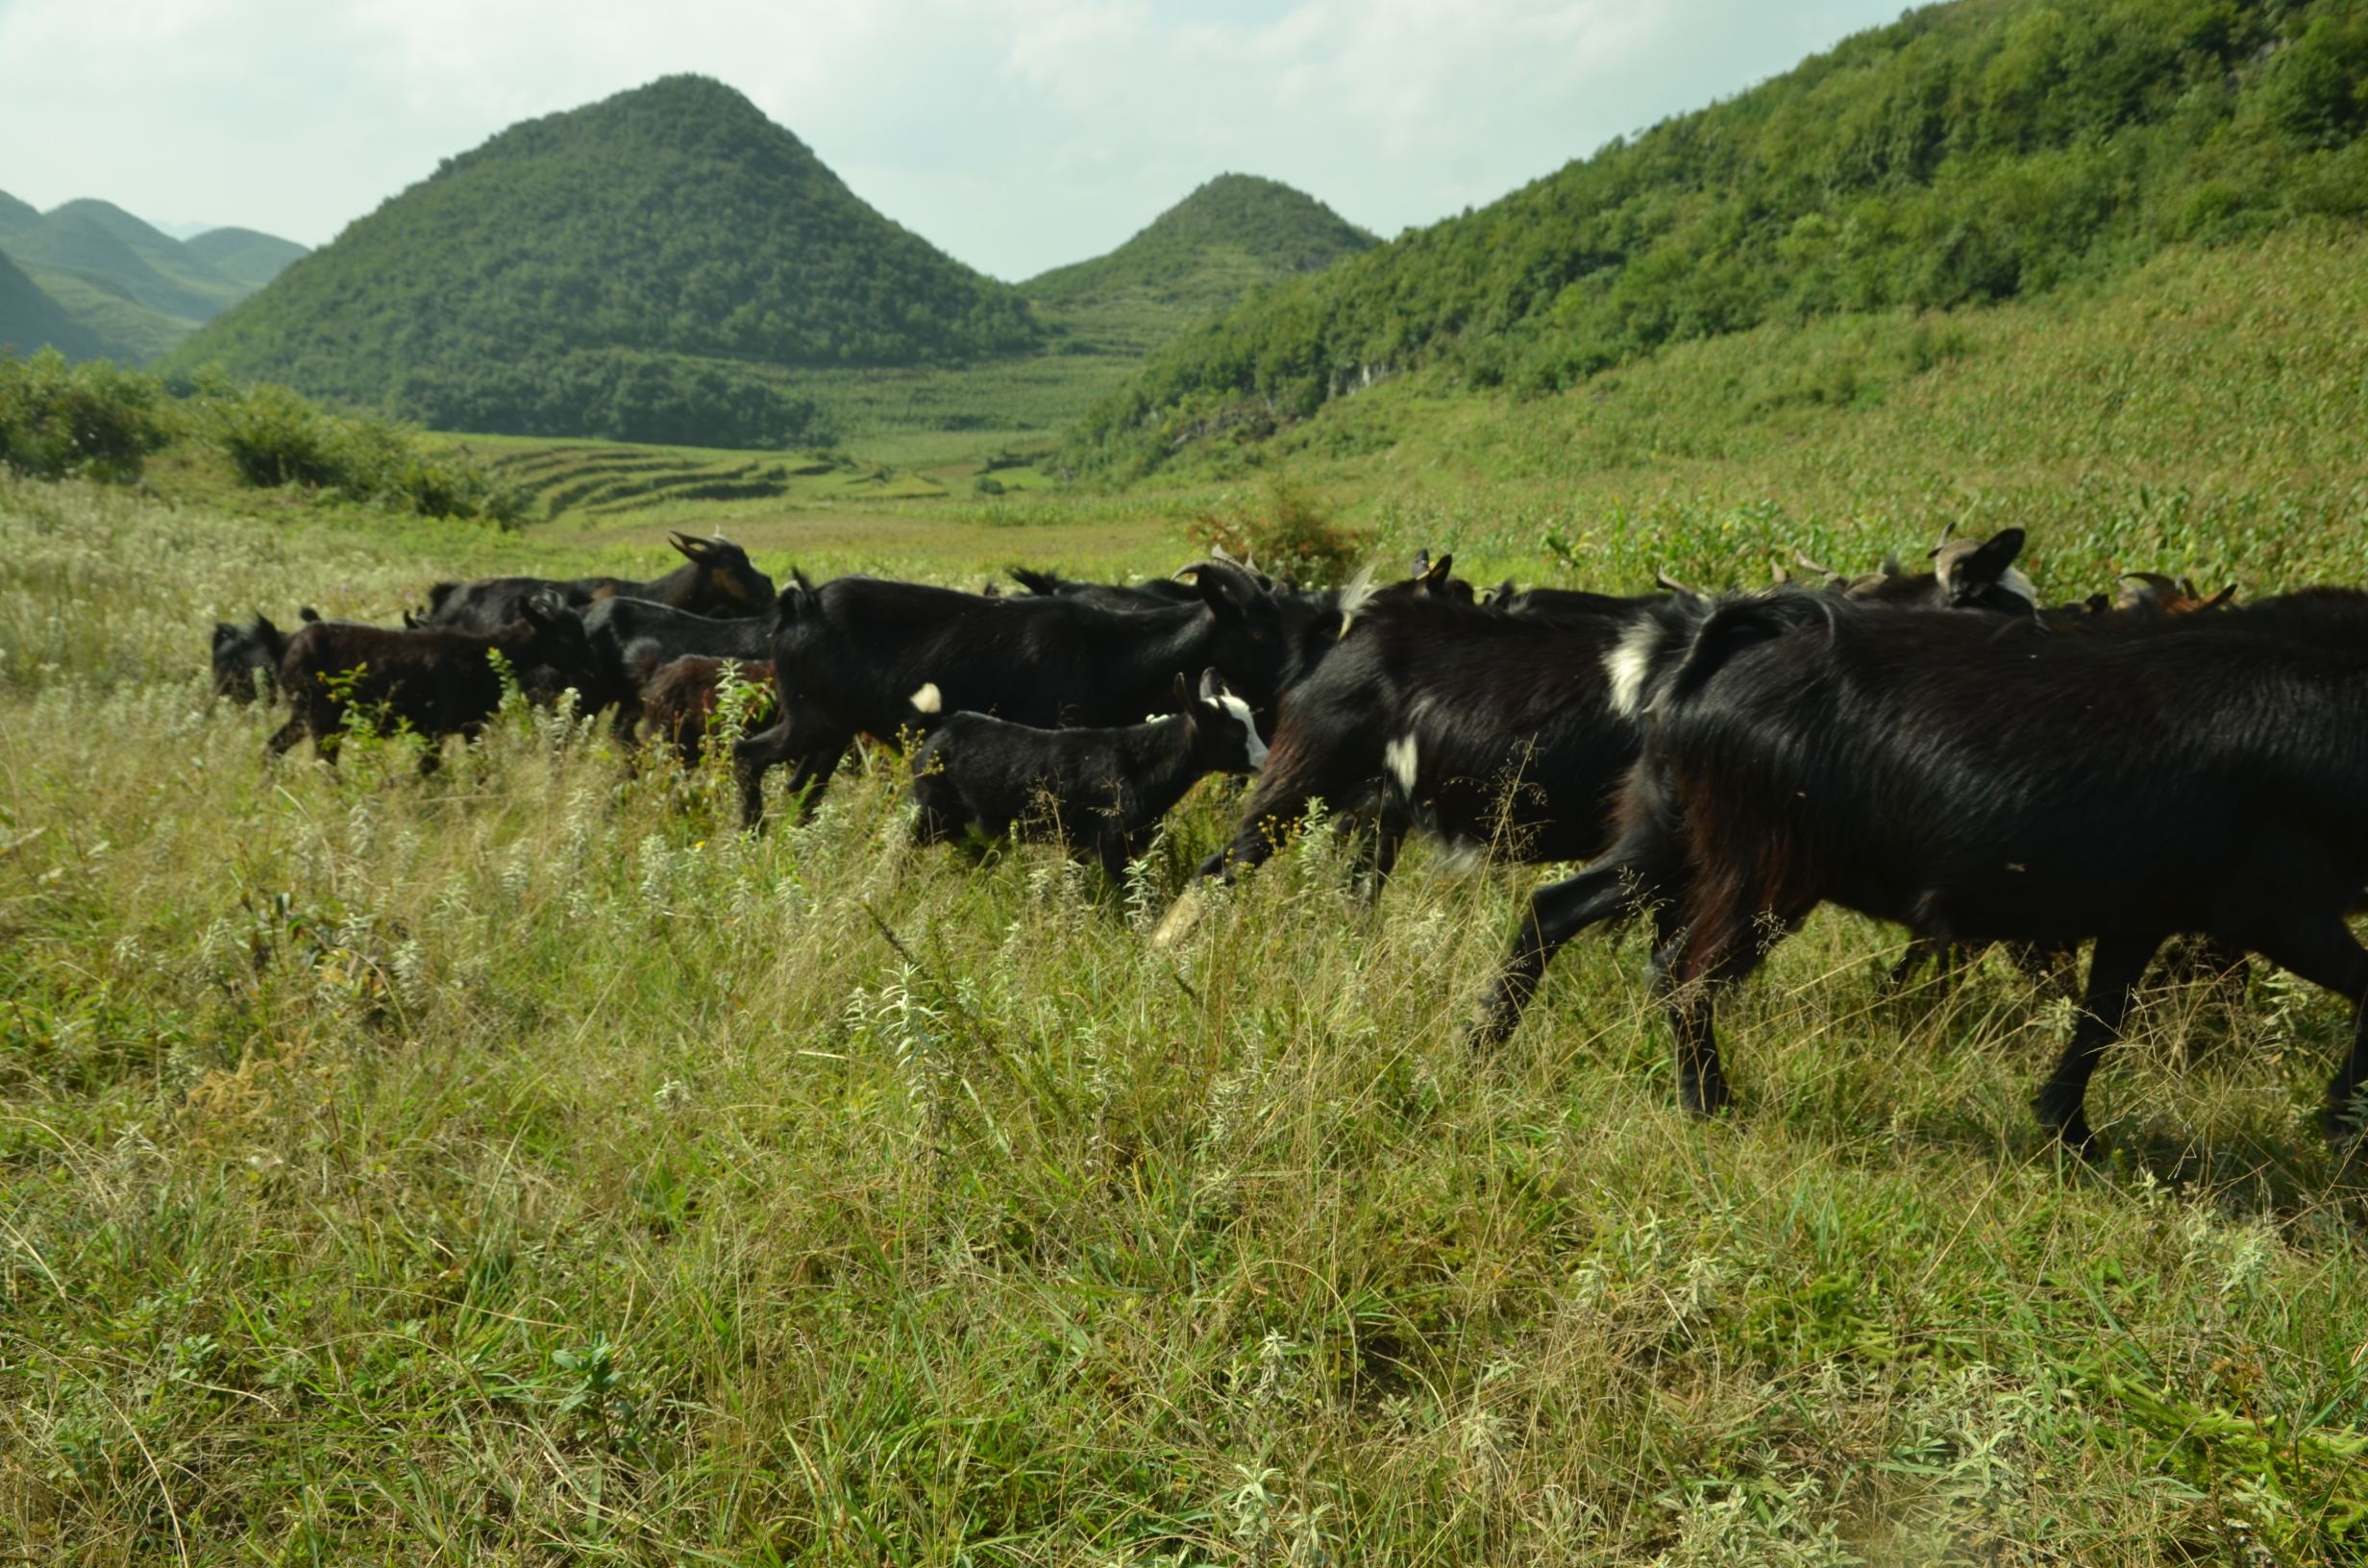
(1932, 748)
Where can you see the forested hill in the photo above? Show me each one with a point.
(30, 319)
(643, 267)
(1199, 259)
(1969, 152)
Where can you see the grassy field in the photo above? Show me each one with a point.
(521, 1167)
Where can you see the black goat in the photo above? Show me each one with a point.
(1983, 786)
(439, 681)
(858, 655)
(1102, 791)
(718, 579)
(1150, 593)
(1481, 726)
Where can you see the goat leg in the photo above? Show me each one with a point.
(1557, 912)
(2326, 953)
(2114, 969)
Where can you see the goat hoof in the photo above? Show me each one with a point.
(2068, 1126)
(1705, 1099)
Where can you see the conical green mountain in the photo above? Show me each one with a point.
(1969, 152)
(1199, 259)
(244, 256)
(31, 320)
(650, 266)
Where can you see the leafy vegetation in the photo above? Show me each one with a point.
(96, 421)
(88, 420)
(1966, 155)
(642, 268)
(1285, 531)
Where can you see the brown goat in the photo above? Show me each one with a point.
(677, 699)
(437, 683)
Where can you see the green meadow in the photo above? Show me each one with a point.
(524, 1166)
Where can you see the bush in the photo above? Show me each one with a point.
(1289, 535)
(91, 419)
(274, 437)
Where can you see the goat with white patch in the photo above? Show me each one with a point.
(1098, 790)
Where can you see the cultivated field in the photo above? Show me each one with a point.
(522, 1167)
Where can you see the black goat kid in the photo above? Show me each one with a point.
(860, 656)
(1983, 786)
(1102, 791)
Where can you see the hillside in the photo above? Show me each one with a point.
(1969, 154)
(1198, 259)
(645, 267)
(129, 290)
(30, 319)
(243, 255)
(102, 242)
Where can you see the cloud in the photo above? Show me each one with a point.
(1019, 134)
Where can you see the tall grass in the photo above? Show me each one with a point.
(520, 1167)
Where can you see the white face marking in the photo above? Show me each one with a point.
(927, 700)
(1399, 759)
(1630, 664)
(1254, 748)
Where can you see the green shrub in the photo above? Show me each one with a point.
(1287, 533)
(274, 437)
(91, 420)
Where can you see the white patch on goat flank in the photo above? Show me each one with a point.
(1399, 759)
(1630, 664)
(1254, 748)
(927, 700)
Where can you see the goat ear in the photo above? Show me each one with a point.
(304, 613)
(2221, 598)
(1212, 685)
(694, 549)
(1422, 562)
(1996, 553)
(1437, 571)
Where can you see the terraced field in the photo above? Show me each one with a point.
(595, 479)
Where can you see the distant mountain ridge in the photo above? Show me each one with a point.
(131, 290)
(30, 319)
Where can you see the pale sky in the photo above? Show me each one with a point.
(1016, 134)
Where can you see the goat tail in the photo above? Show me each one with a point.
(1732, 625)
